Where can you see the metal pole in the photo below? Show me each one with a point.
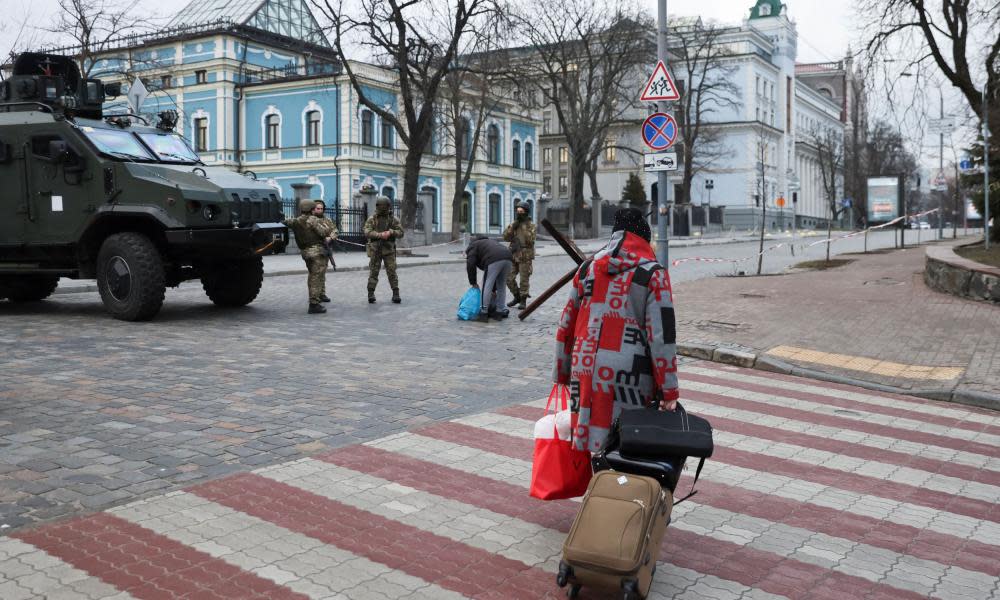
(958, 193)
(986, 171)
(662, 179)
(941, 171)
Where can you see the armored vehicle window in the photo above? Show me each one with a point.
(120, 144)
(41, 145)
(169, 147)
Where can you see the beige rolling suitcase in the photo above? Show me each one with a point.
(615, 540)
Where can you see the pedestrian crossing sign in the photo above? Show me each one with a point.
(660, 86)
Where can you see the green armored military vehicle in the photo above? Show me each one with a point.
(88, 195)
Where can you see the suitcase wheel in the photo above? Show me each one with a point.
(631, 589)
(574, 591)
(565, 572)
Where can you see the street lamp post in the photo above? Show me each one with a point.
(940, 219)
(662, 179)
(986, 171)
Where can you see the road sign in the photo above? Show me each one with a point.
(965, 164)
(660, 161)
(660, 86)
(137, 94)
(940, 182)
(793, 186)
(659, 131)
(846, 202)
(945, 125)
(780, 202)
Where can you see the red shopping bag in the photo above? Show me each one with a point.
(558, 470)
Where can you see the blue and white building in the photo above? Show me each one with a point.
(259, 88)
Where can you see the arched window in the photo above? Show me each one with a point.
(367, 128)
(312, 128)
(463, 139)
(272, 131)
(389, 192)
(515, 154)
(386, 134)
(529, 156)
(493, 145)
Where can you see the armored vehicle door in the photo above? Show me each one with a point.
(59, 174)
(13, 190)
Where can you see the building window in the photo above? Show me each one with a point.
(201, 76)
(495, 208)
(493, 145)
(201, 134)
(386, 134)
(389, 192)
(610, 150)
(563, 155)
(547, 123)
(563, 184)
(515, 154)
(529, 156)
(463, 139)
(546, 156)
(312, 128)
(367, 128)
(165, 82)
(272, 123)
(547, 184)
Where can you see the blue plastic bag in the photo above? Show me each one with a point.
(468, 306)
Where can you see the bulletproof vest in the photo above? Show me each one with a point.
(305, 236)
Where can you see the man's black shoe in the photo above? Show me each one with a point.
(499, 314)
(324, 298)
(483, 317)
(316, 309)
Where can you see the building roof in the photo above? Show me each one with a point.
(764, 9)
(289, 18)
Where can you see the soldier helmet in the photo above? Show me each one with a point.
(320, 202)
(525, 206)
(383, 201)
(306, 206)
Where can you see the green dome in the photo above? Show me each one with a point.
(766, 8)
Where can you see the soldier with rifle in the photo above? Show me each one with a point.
(312, 232)
(382, 230)
(521, 235)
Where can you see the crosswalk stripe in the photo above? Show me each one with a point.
(28, 572)
(303, 564)
(145, 564)
(972, 418)
(518, 471)
(827, 415)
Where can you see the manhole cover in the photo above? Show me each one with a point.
(884, 281)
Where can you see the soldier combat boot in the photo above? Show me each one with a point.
(395, 296)
(324, 298)
(513, 302)
(371, 296)
(316, 309)
(522, 303)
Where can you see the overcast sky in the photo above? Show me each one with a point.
(824, 26)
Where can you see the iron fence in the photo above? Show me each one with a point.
(350, 223)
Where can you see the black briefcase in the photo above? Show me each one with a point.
(655, 434)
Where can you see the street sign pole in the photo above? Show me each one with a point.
(662, 178)
(986, 171)
(941, 171)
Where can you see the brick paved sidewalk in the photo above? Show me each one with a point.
(873, 319)
(815, 491)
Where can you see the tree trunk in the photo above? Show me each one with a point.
(577, 176)
(411, 177)
(456, 214)
(829, 230)
(763, 228)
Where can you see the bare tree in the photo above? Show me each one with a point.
(699, 62)
(93, 27)
(886, 152)
(830, 154)
(471, 91)
(420, 40)
(760, 153)
(580, 56)
(949, 36)
(20, 35)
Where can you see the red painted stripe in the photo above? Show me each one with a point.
(146, 564)
(435, 559)
(920, 437)
(859, 483)
(849, 404)
(816, 442)
(764, 570)
(921, 543)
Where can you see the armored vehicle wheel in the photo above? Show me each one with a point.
(27, 288)
(233, 283)
(130, 277)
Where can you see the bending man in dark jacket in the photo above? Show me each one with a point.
(490, 256)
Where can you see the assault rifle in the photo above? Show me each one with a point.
(328, 247)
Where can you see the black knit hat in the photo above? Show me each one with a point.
(632, 220)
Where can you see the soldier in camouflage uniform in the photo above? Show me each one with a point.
(311, 232)
(521, 235)
(382, 230)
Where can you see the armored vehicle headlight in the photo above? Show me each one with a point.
(210, 212)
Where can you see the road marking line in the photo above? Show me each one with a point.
(867, 365)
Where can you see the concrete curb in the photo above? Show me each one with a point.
(762, 362)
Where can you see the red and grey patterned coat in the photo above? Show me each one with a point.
(616, 341)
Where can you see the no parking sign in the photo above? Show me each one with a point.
(659, 131)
